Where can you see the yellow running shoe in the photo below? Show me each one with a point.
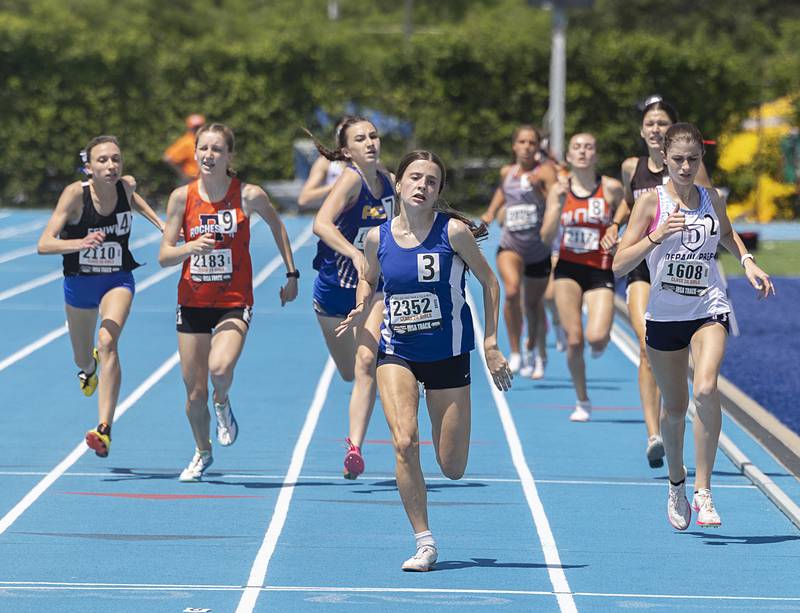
(89, 381)
(101, 443)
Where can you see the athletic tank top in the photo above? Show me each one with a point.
(584, 220)
(645, 180)
(335, 169)
(426, 317)
(354, 222)
(524, 205)
(113, 255)
(222, 278)
(685, 280)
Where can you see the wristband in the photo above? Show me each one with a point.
(745, 257)
(614, 223)
(651, 240)
(294, 274)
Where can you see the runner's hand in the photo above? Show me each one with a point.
(758, 279)
(673, 224)
(354, 318)
(289, 291)
(93, 239)
(498, 367)
(202, 245)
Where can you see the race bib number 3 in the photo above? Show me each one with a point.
(411, 313)
(522, 217)
(214, 266)
(104, 258)
(686, 278)
(581, 240)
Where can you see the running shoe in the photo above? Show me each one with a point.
(200, 462)
(707, 516)
(353, 461)
(655, 451)
(679, 513)
(88, 381)
(526, 370)
(561, 339)
(227, 428)
(101, 443)
(422, 561)
(582, 412)
(538, 367)
(514, 362)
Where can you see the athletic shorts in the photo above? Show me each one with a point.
(640, 273)
(444, 374)
(203, 320)
(86, 291)
(332, 300)
(676, 335)
(536, 270)
(588, 278)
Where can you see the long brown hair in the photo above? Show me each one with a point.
(479, 231)
(337, 155)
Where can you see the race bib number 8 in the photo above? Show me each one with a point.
(214, 266)
(686, 278)
(411, 313)
(581, 240)
(107, 257)
(521, 217)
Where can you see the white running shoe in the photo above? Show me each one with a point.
(422, 561)
(514, 362)
(679, 513)
(655, 451)
(526, 370)
(227, 428)
(200, 462)
(707, 516)
(582, 412)
(561, 339)
(538, 367)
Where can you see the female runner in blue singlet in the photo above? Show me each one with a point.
(427, 332)
(361, 198)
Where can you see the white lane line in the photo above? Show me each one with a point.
(258, 572)
(51, 477)
(4, 214)
(752, 472)
(57, 274)
(24, 228)
(17, 253)
(558, 578)
(76, 453)
(134, 475)
(45, 585)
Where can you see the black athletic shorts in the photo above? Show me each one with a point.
(201, 320)
(588, 278)
(440, 375)
(640, 273)
(676, 335)
(537, 270)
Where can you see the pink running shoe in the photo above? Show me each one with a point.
(353, 461)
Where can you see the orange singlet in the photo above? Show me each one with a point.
(224, 277)
(584, 221)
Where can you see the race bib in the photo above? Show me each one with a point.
(409, 313)
(214, 266)
(522, 217)
(688, 278)
(106, 257)
(361, 237)
(581, 240)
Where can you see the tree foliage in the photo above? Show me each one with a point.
(467, 75)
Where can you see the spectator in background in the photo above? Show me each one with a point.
(180, 154)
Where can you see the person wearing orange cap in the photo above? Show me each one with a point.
(180, 154)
